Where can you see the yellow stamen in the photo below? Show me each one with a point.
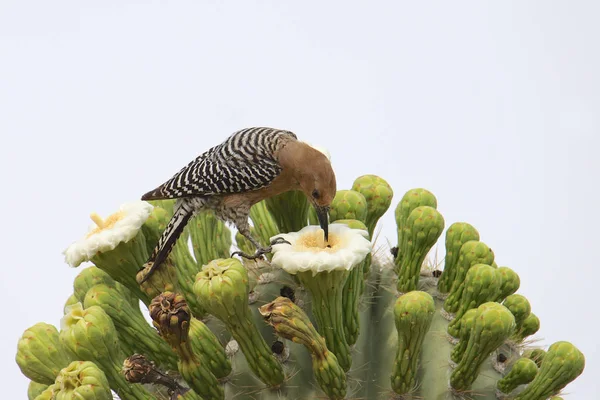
(97, 220)
(315, 241)
(102, 224)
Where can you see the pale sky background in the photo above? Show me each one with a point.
(493, 106)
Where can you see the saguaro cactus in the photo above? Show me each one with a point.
(336, 320)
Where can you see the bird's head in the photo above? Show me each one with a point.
(318, 183)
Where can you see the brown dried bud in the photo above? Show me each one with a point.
(171, 316)
(138, 369)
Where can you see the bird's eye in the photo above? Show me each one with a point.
(315, 194)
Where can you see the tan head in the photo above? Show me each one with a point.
(313, 174)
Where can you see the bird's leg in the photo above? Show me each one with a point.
(244, 229)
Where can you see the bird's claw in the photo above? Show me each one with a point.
(279, 240)
(259, 253)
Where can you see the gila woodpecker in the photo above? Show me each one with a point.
(251, 165)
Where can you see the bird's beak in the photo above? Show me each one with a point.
(322, 214)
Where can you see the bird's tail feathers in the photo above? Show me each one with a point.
(155, 194)
(183, 213)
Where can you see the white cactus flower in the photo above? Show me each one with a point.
(108, 233)
(308, 251)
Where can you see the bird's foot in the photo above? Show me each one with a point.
(279, 240)
(261, 251)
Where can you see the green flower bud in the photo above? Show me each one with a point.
(40, 355)
(562, 364)
(471, 253)
(82, 380)
(530, 326)
(70, 301)
(378, 194)
(348, 204)
(222, 288)
(35, 389)
(131, 326)
(457, 234)
(48, 394)
(90, 335)
(422, 229)
(92, 276)
(413, 313)
(493, 324)
(509, 283)
(523, 371)
(481, 285)
(412, 199)
(519, 307)
(537, 355)
(291, 323)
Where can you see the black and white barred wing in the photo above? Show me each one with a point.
(242, 163)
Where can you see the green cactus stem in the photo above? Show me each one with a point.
(138, 369)
(481, 285)
(523, 371)
(187, 268)
(280, 205)
(171, 317)
(90, 335)
(156, 223)
(211, 239)
(265, 226)
(457, 234)
(412, 199)
(353, 289)
(378, 194)
(326, 290)
(131, 325)
(207, 346)
(519, 307)
(509, 284)
(471, 253)
(40, 355)
(530, 326)
(35, 389)
(80, 380)
(493, 324)
(222, 288)
(466, 323)
(537, 355)
(123, 263)
(348, 204)
(422, 228)
(291, 323)
(413, 313)
(243, 243)
(562, 364)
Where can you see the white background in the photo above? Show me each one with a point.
(493, 107)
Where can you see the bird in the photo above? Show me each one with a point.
(251, 165)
